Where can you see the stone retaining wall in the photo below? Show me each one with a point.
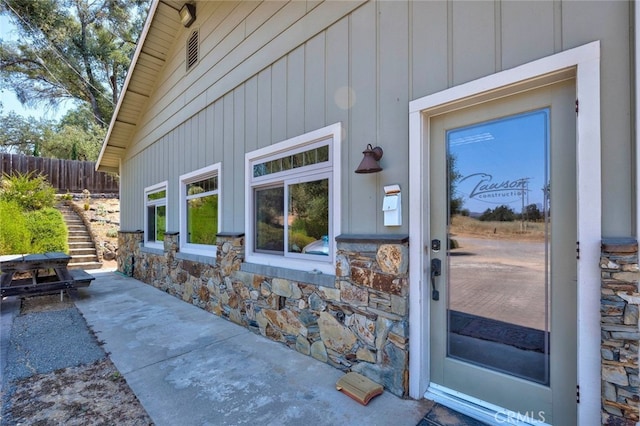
(620, 333)
(357, 322)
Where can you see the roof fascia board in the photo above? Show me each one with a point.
(143, 36)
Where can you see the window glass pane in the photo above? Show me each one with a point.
(309, 217)
(161, 222)
(310, 157)
(323, 154)
(157, 195)
(259, 170)
(205, 185)
(276, 166)
(288, 162)
(151, 223)
(269, 219)
(202, 219)
(298, 160)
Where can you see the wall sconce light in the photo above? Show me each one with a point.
(187, 14)
(369, 163)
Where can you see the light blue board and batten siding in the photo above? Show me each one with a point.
(282, 71)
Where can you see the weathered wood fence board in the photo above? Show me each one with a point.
(63, 175)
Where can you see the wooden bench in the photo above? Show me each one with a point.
(31, 283)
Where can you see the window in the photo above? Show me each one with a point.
(199, 210)
(293, 201)
(192, 49)
(155, 215)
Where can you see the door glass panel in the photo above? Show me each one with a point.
(499, 245)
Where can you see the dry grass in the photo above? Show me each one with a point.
(468, 226)
(94, 394)
(91, 394)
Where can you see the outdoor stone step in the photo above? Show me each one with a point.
(80, 244)
(79, 238)
(83, 257)
(84, 265)
(83, 251)
(77, 232)
(81, 247)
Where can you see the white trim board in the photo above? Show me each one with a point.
(584, 63)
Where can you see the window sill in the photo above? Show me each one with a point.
(320, 279)
(151, 250)
(209, 259)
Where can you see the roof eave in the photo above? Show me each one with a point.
(134, 61)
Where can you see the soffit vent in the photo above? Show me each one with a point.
(192, 50)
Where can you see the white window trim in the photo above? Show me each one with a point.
(194, 176)
(298, 143)
(149, 189)
(586, 62)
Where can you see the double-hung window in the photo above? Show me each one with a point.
(293, 201)
(155, 215)
(200, 210)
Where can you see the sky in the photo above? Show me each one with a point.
(8, 99)
(502, 162)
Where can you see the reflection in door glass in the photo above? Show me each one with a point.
(498, 257)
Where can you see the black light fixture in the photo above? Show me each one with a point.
(369, 163)
(188, 14)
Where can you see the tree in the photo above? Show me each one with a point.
(71, 49)
(72, 143)
(532, 213)
(455, 203)
(501, 213)
(75, 137)
(20, 135)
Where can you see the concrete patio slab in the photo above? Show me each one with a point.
(188, 366)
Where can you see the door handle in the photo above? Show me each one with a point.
(436, 271)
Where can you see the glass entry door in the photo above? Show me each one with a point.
(502, 258)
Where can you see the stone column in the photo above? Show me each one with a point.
(128, 250)
(620, 332)
(230, 252)
(171, 247)
(372, 275)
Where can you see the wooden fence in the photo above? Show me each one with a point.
(64, 175)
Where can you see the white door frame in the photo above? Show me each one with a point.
(583, 63)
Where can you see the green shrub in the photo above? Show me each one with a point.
(15, 237)
(48, 231)
(270, 237)
(30, 191)
(202, 220)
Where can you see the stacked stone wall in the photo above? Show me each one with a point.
(357, 323)
(620, 332)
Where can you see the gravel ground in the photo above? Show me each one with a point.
(54, 370)
(43, 342)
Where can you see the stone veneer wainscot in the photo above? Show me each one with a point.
(356, 320)
(620, 333)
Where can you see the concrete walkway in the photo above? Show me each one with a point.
(190, 367)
